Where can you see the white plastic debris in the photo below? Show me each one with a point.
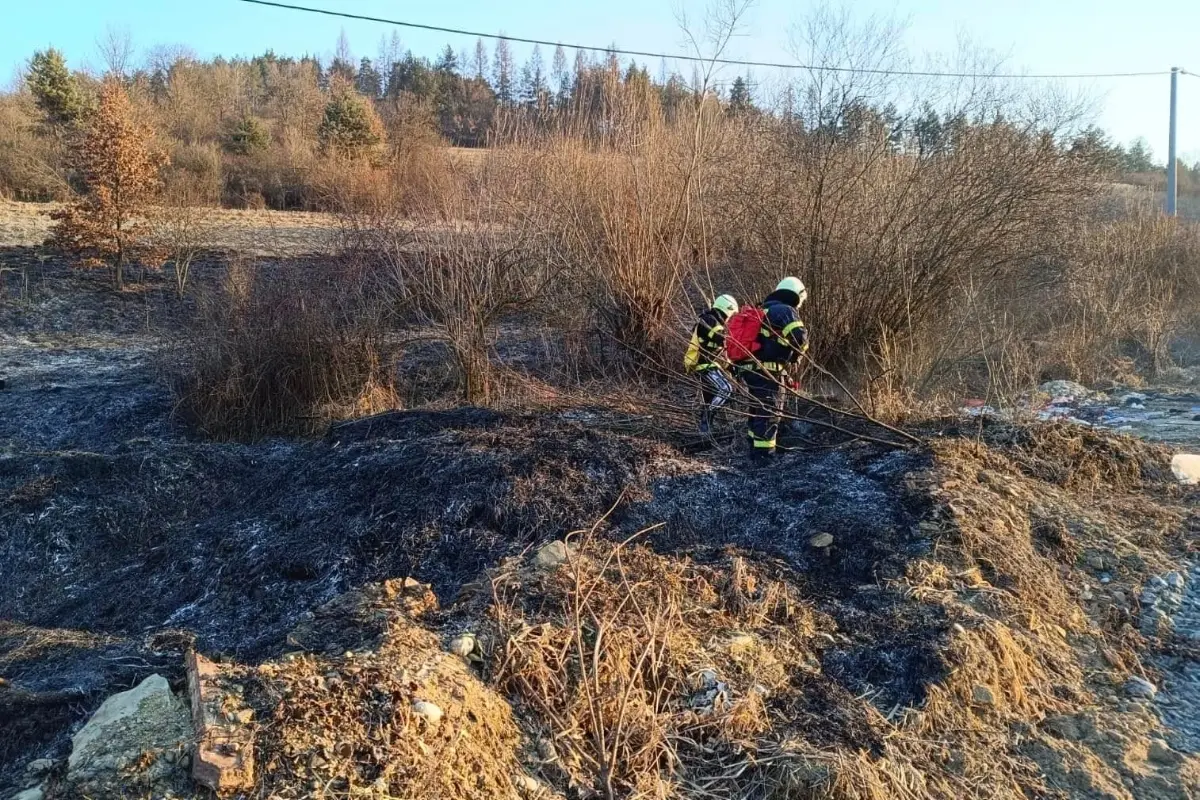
(1186, 467)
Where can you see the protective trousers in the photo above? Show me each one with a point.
(766, 405)
(715, 389)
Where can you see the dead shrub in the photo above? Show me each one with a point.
(281, 349)
(31, 165)
(1131, 282)
(195, 170)
(648, 672)
(181, 227)
(627, 217)
(456, 285)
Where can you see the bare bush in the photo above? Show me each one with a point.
(281, 349)
(1132, 283)
(181, 228)
(30, 164)
(457, 284)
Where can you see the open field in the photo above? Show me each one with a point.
(253, 233)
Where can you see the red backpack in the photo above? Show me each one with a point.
(741, 340)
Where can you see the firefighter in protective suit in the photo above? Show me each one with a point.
(782, 340)
(705, 356)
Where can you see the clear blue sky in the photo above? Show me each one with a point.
(1036, 35)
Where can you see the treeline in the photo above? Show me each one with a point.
(262, 132)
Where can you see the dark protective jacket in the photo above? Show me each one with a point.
(710, 331)
(784, 337)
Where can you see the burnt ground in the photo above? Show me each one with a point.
(118, 524)
(125, 539)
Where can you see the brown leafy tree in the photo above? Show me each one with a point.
(106, 225)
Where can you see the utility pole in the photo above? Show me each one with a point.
(1172, 158)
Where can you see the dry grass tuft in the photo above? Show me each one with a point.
(282, 352)
(647, 673)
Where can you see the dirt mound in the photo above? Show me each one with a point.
(396, 716)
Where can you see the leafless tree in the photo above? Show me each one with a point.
(116, 50)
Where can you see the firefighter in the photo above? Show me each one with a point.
(705, 357)
(782, 339)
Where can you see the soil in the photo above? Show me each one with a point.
(964, 625)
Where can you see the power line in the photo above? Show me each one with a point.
(723, 61)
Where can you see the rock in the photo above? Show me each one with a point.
(1175, 581)
(529, 785)
(463, 645)
(1087, 596)
(983, 696)
(38, 767)
(431, 713)
(547, 751)
(1186, 467)
(1064, 727)
(821, 540)
(127, 736)
(224, 751)
(1097, 561)
(1141, 688)
(1133, 399)
(36, 793)
(1161, 753)
(553, 555)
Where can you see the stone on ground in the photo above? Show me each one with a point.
(1140, 687)
(553, 555)
(135, 737)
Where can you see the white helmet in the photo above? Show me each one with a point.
(726, 304)
(795, 286)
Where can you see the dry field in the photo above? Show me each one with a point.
(258, 233)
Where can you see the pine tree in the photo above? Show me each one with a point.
(928, 132)
(533, 81)
(248, 135)
(1139, 157)
(53, 87)
(368, 82)
(479, 60)
(119, 167)
(502, 72)
(448, 62)
(740, 102)
(350, 127)
(559, 77)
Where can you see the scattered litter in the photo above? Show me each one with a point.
(981, 411)
(1065, 391)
